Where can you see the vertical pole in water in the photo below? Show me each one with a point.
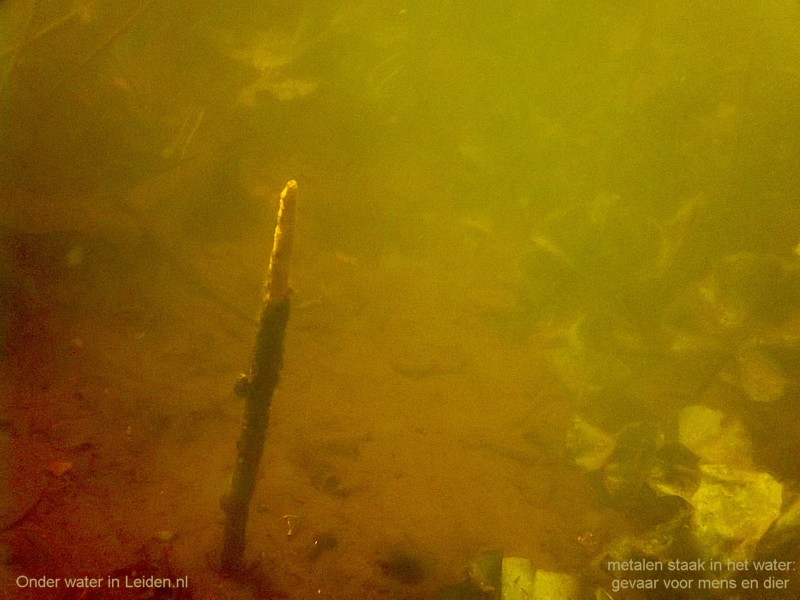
(258, 385)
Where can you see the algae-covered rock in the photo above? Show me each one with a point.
(634, 458)
(733, 508)
(760, 377)
(588, 445)
(713, 437)
(548, 585)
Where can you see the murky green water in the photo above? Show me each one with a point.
(546, 294)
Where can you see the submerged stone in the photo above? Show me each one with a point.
(733, 509)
